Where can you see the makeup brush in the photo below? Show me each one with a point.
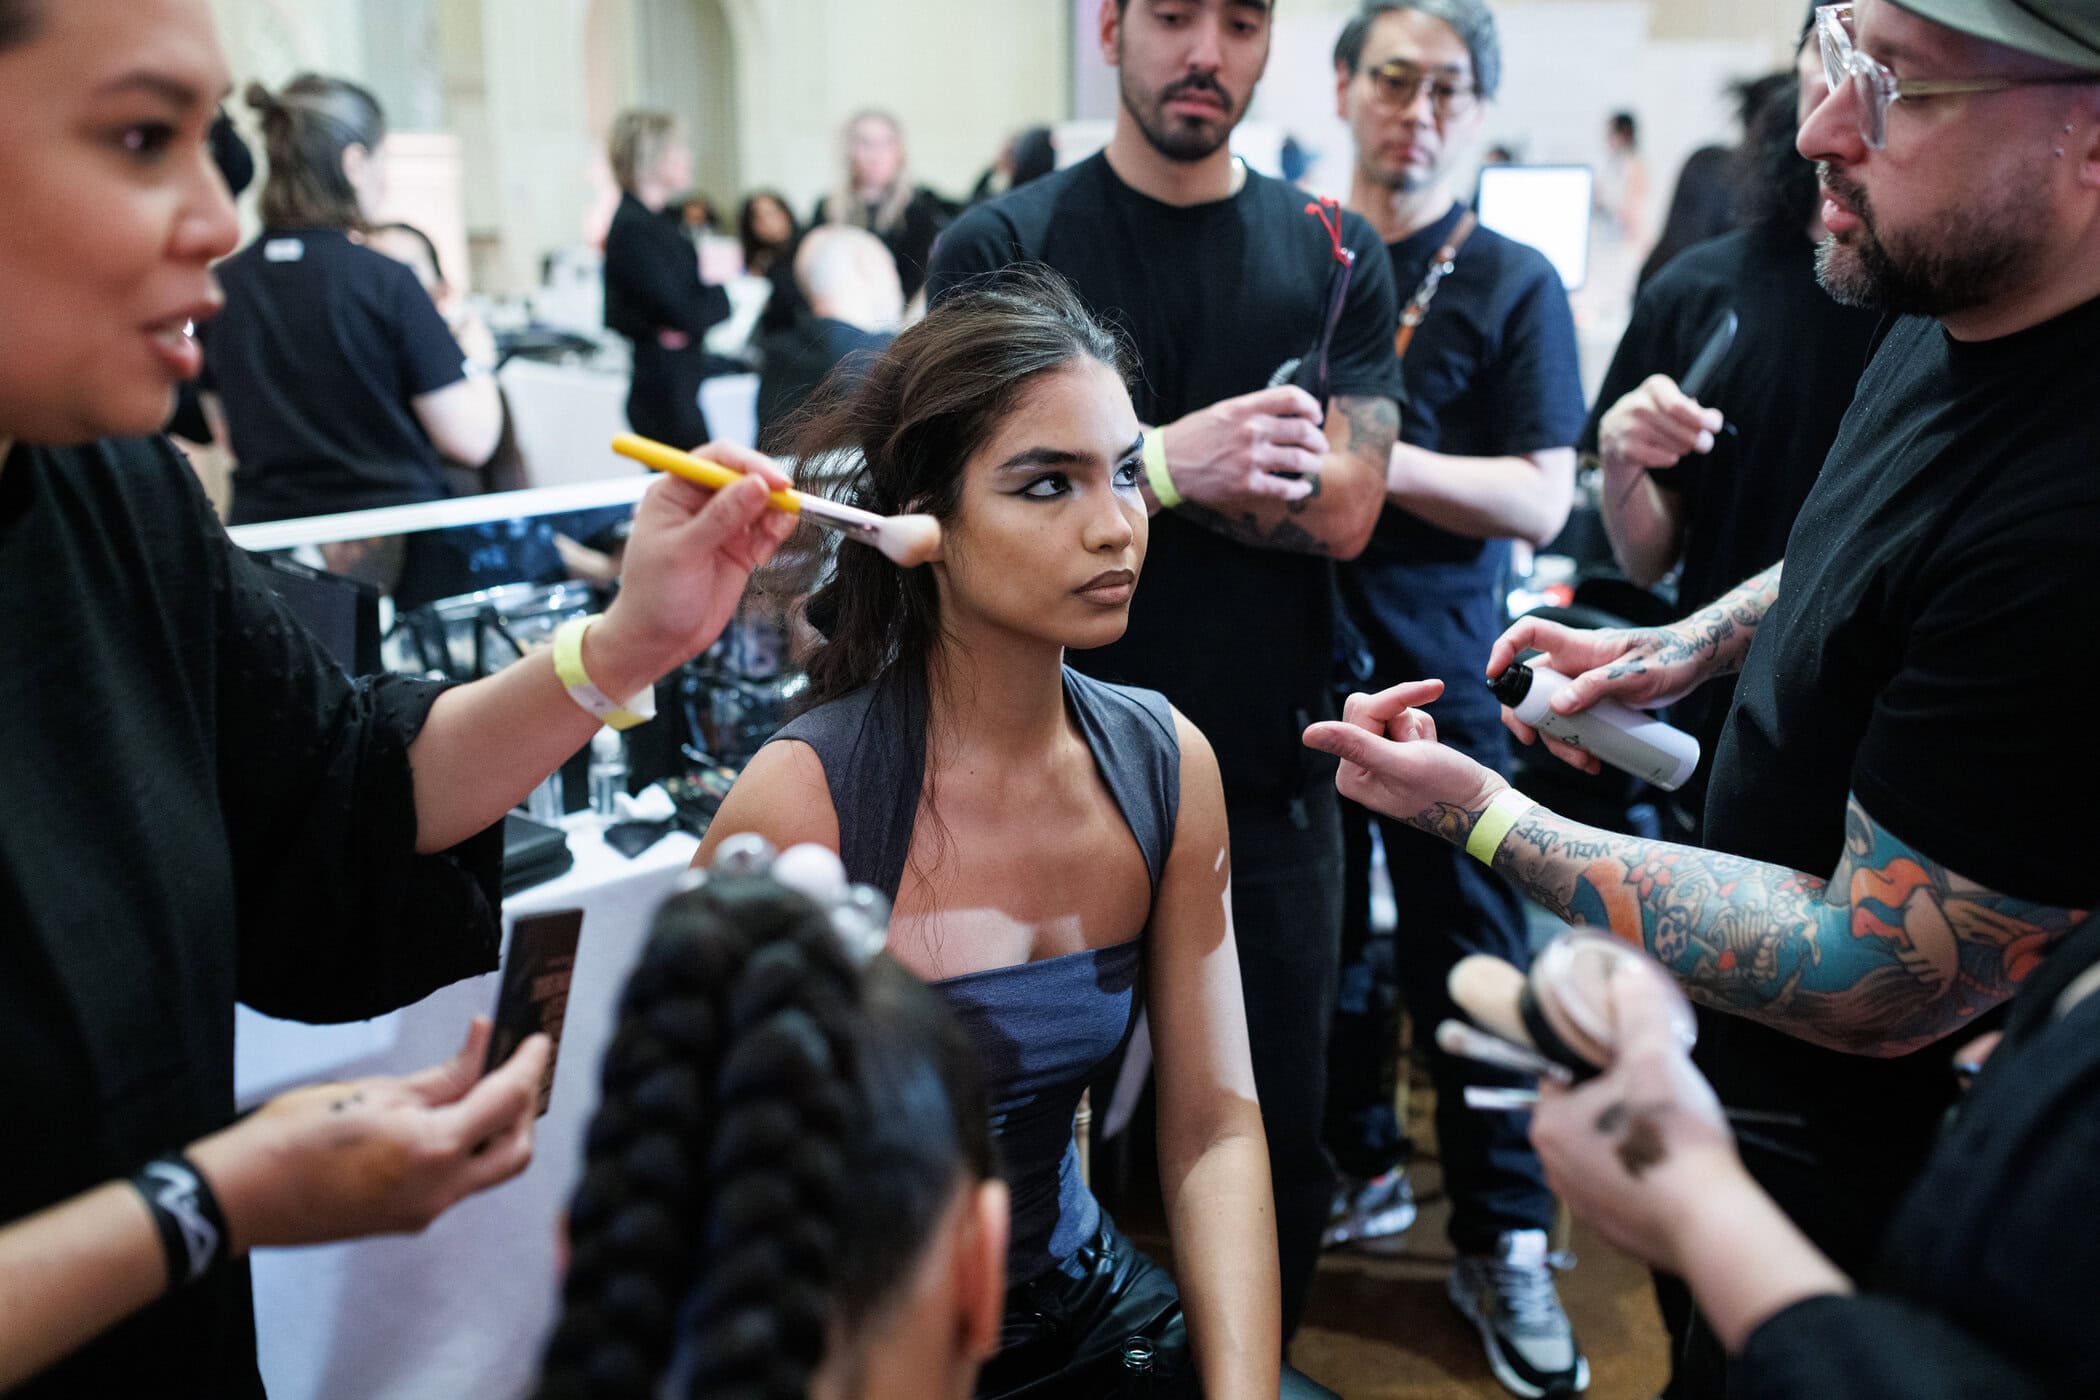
(907, 540)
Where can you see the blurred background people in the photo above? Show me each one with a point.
(877, 194)
(1621, 192)
(769, 233)
(1027, 155)
(653, 292)
(848, 283)
(340, 385)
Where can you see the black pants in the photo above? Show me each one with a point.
(1064, 1338)
(1286, 916)
(663, 400)
(1449, 905)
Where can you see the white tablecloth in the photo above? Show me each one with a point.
(460, 1311)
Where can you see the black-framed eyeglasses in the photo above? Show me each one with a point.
(1397, 83)
(1874, 87)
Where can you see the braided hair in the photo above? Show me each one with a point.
(780, 1131)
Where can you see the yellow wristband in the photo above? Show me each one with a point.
(1508, 808)
(1156, 470)
(568, 668)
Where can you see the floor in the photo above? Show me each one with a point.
(1380, 1328)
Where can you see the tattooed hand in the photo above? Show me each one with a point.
(1644, 1146)
(1645, 667)
(1392, 762)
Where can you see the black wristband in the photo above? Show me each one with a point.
(192, 1227)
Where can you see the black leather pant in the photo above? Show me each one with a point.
(1067, 1337)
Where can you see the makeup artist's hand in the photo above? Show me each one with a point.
(1231, 451)
(1641, 1153)
(687, 560)
(1392, 762)
(375, 1156)
(1655, 425)
(1645, 667)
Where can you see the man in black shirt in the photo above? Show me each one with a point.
(1486, 455)
(1890, 863)
(1714, 485)
(1263, 328)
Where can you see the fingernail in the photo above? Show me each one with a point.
(1706, 442)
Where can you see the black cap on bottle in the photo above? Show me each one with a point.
(1513, 684)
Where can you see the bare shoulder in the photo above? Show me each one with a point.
(1202, 813)
(783, 796)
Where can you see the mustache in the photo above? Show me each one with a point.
(1847, 189)
(1197, 82)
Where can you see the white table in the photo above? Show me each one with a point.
(460, 1311)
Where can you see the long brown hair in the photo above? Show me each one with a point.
(897, 438)
(306, 128)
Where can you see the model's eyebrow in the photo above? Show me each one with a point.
(169, 89)
(1036, 458)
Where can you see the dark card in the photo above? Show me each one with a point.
(535, 994)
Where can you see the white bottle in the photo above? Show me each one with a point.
(608, 771)
(1628, 739)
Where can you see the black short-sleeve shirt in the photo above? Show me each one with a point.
(1216, 298)
(1931, 650)
(1491, 372)
(1784, 387)
(322, 348)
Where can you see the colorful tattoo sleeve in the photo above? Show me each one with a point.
(1892, 952)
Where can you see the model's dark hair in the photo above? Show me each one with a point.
(18, 21)
(1471, 20)
(307, 125)
(780, 1132)
(893, 435)
(1776, 183)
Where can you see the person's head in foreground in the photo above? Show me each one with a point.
(1004, 416)
(788, 1188)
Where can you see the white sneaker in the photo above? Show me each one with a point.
(1377, 1209)
(1509, 1296)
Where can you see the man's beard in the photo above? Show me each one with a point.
(1177, 139)
(1962, 262)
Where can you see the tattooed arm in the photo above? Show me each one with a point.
(1330, 510)
(1890, 952)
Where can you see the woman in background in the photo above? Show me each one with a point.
(879, 196)
(653, 292)
(340, 385)
(789, 1189)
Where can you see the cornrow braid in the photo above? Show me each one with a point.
(754, 1073)
(715, 1155)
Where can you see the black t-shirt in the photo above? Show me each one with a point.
(1216, 298)
(1930, 649)
(1784, 386)
(1491, 372)
(201, 808)
(318, 357)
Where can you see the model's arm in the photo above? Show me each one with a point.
(781, 795)
(1890, 952)
(1224, 461)
(1524, 497)
(329, 1162)
(1213, 1157)
(485, 745)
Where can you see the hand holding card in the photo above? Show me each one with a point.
(535, 995)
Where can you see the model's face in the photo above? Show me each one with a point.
(1049, 535)
(1403, 142)
(875, 154)
(115, 213)
(1960, 204)
(1187, 68)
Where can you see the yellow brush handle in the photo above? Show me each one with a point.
(699, 470)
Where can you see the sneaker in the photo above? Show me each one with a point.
(1509, 1296)
(1376, 1209)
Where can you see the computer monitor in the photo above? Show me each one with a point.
(1547, 206)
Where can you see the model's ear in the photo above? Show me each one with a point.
(980, 1265)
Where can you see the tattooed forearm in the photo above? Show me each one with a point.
(1247, 528)
(1891, 953)
(1373, 427)
(1446, 819)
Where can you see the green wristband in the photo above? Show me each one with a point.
(1156, 474)
(1508, 808)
